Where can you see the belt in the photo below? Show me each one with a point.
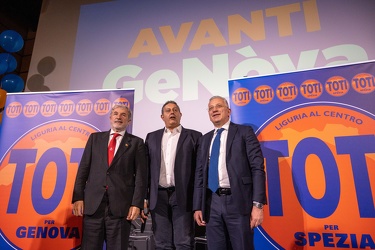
(223, 191)
(168, 189)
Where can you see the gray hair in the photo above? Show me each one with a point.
(219, 97)
(122, 107)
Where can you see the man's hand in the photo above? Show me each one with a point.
(256, 217)
(145, 211)
(133, 213)
(78, 208)
(198, 217)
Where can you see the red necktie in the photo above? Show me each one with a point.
(112, 148)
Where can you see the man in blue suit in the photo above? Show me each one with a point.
(172, 159)
(235, 206)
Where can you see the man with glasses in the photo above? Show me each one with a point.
(229, 189)
(110, 184)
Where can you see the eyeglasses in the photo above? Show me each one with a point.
(217, 106)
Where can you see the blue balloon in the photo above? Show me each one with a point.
(12, 83)
(12, 64)
(3, 67)
(11, 41)
(10, 61)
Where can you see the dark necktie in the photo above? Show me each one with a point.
(112, 148)
(213, 174)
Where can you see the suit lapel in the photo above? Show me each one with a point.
(206, 154)
(158, 145)
(207, 146)
(155, 142)
(231, 134)
(104, 138)
(125, 144)
(181, 140)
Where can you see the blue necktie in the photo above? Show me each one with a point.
(213, 174)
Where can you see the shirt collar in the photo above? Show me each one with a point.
(225, 126)
(175, 130)
(122, 133)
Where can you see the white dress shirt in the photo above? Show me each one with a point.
(168, 156)
(118, 138)
(223, 173)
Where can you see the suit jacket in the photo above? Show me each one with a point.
(184, 167)
(245, 166)
(126, 177)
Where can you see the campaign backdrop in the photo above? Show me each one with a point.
(42, 139)
(187, 50)
(317, 132)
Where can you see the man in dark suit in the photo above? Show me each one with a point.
(232, 208)
(109, 195)
(172, 159)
